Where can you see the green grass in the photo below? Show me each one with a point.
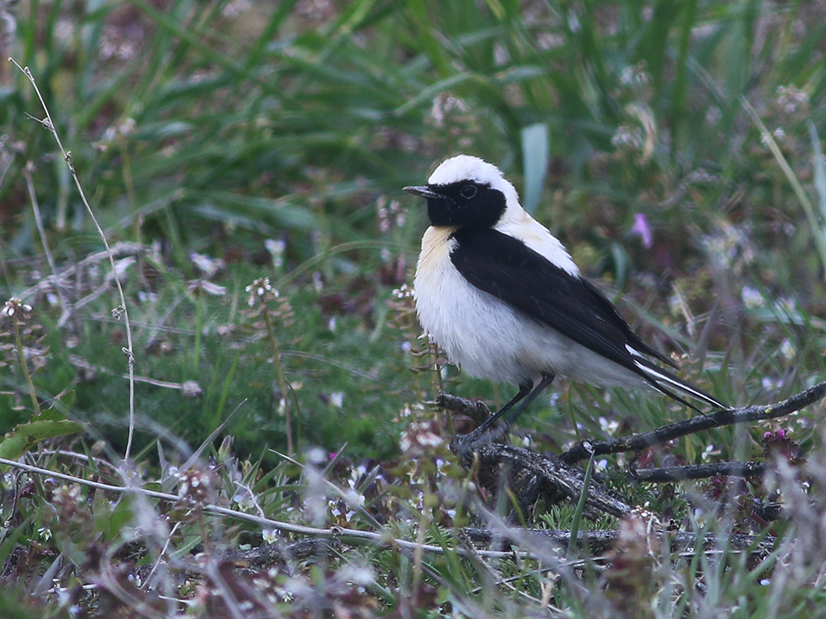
(214, 127)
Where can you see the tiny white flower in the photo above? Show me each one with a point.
(608, 426)
(752, 297)
(316, 455)
(403, 292)
(15, 304)
(787, 350)
(787, 305)
(244, 500)
(337, 399)
(276, 249)
(207, 265)
(770, 383)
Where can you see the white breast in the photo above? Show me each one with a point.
(489, 339)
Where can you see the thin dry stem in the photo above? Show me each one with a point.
(282, 381)
(22, 356)
(48, 123)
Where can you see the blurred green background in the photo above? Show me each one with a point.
(673, 146)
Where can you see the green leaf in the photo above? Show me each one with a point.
(50, 424)
(121, 516)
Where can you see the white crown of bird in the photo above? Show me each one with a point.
(470, 168)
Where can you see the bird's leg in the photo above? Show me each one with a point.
(463, 444)
(524, 389)
(546, 381)
(527, 394)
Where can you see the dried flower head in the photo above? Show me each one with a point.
(445, 105)
(199, 484)
(627, 138)
(791, 102)
(780, 444)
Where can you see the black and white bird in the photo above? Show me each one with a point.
(501, 295)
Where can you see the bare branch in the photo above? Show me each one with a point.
(700, 471)
(601, 540)
(566, 479)
(638, 442)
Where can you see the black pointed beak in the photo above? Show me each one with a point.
(424, 192)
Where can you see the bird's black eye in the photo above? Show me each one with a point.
(469, 191)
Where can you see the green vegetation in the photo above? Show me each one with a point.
(674, 147)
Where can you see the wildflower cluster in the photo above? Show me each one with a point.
(628, 138)
(276, 248)
(199, 485)
(260, 291)
(71, 519)
(15, 306)
(266, 302)
(390, 216)
(791, 103)
(344, 592)
(636, 135)
(457, 123)
(421, 438)
(445, 106)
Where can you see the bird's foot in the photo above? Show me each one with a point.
(474, 409)
(464, 445)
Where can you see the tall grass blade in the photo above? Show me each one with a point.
(535, 158)
(818, 169)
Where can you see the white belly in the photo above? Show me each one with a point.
(489, 339)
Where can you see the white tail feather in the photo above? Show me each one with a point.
(660, 376)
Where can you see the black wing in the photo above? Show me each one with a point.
(506, 268)
(524, 279)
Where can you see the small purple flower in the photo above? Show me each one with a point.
(642, 228)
